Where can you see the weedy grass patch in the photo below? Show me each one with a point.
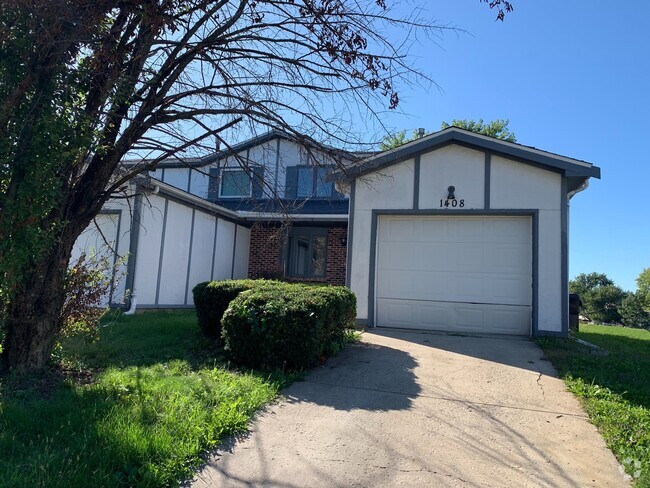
(614, 389)
(137, 408)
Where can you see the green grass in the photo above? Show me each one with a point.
(138, 408)
(614, 389)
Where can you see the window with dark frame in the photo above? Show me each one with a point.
(307, 252)
(235, 183)
(313, 182)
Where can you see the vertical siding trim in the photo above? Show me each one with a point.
(535, 318)
(162, 250)
(189, 257)
(134, 237)
(416, 184)
(234, 251)
(214, 247)
(115, 254)
(487, 180)
(189, 179)
(373, 269)
(565, 257)
(277, 168)
(348, 259)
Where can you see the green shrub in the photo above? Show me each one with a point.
(287, 325)
(211, 299)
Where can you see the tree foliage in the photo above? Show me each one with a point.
(643, 287)
(632, 310)
(601, 298)
(496, 128)
(84, 83)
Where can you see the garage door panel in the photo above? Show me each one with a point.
(455, 273)
(453, 316)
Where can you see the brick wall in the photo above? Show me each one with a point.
(337, 254)
(265, 254)
(264, 258)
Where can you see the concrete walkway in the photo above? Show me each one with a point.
(421, 409)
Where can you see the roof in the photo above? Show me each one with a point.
(571, 167)
(199, 162)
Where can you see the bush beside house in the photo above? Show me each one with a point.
(271, 324)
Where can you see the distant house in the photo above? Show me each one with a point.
(455, 231)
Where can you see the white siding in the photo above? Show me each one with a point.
(516, 185)
(202, 245)
(225, 242)
(177, 177)
(240, 269)
(108, 237)
(454, 166)
(176, 255)
(148, 252)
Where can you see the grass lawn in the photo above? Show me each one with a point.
(615, 389)
(137, 408)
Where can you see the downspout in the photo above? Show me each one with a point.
(134, 303)
(582, 187)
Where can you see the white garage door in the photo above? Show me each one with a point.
(461, 274)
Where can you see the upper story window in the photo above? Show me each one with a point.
(308, 182)
(235, 183)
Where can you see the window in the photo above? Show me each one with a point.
(313, 182)
(307, 252)
(235, 183)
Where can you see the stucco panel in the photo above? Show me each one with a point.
(201, 260)
(550, 272)
(360, 260)
(452, 166)
(240, 269)
(177, 177)
(148, 253)
(517, 185)
(176, 252)
(223, 255)
(389, 188)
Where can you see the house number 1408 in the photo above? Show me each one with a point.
(452, 203)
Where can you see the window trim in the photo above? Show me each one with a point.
(235, 170)
(292, 255)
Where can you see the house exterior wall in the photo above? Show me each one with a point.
(177, 246)
(487, 183)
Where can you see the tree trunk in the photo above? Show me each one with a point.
(33, 319)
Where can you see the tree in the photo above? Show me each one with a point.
(601, 298)
(83, 83)
(643, 287)
(632, 311)
(497, 128)
(396, 139)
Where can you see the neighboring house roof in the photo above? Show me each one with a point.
(575, 169)
(199, 162)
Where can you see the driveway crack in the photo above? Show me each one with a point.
(539, 377)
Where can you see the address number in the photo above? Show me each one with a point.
(452, 203)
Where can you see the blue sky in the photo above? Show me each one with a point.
(573, 78)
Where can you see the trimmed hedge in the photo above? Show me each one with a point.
(211, 299)
(287, 325)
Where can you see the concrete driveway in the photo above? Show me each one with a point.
(422, 409)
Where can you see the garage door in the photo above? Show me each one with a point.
(459, 274)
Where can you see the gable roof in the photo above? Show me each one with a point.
(573, 168)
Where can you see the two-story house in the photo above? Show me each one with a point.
(265, 207)
(454, 231)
